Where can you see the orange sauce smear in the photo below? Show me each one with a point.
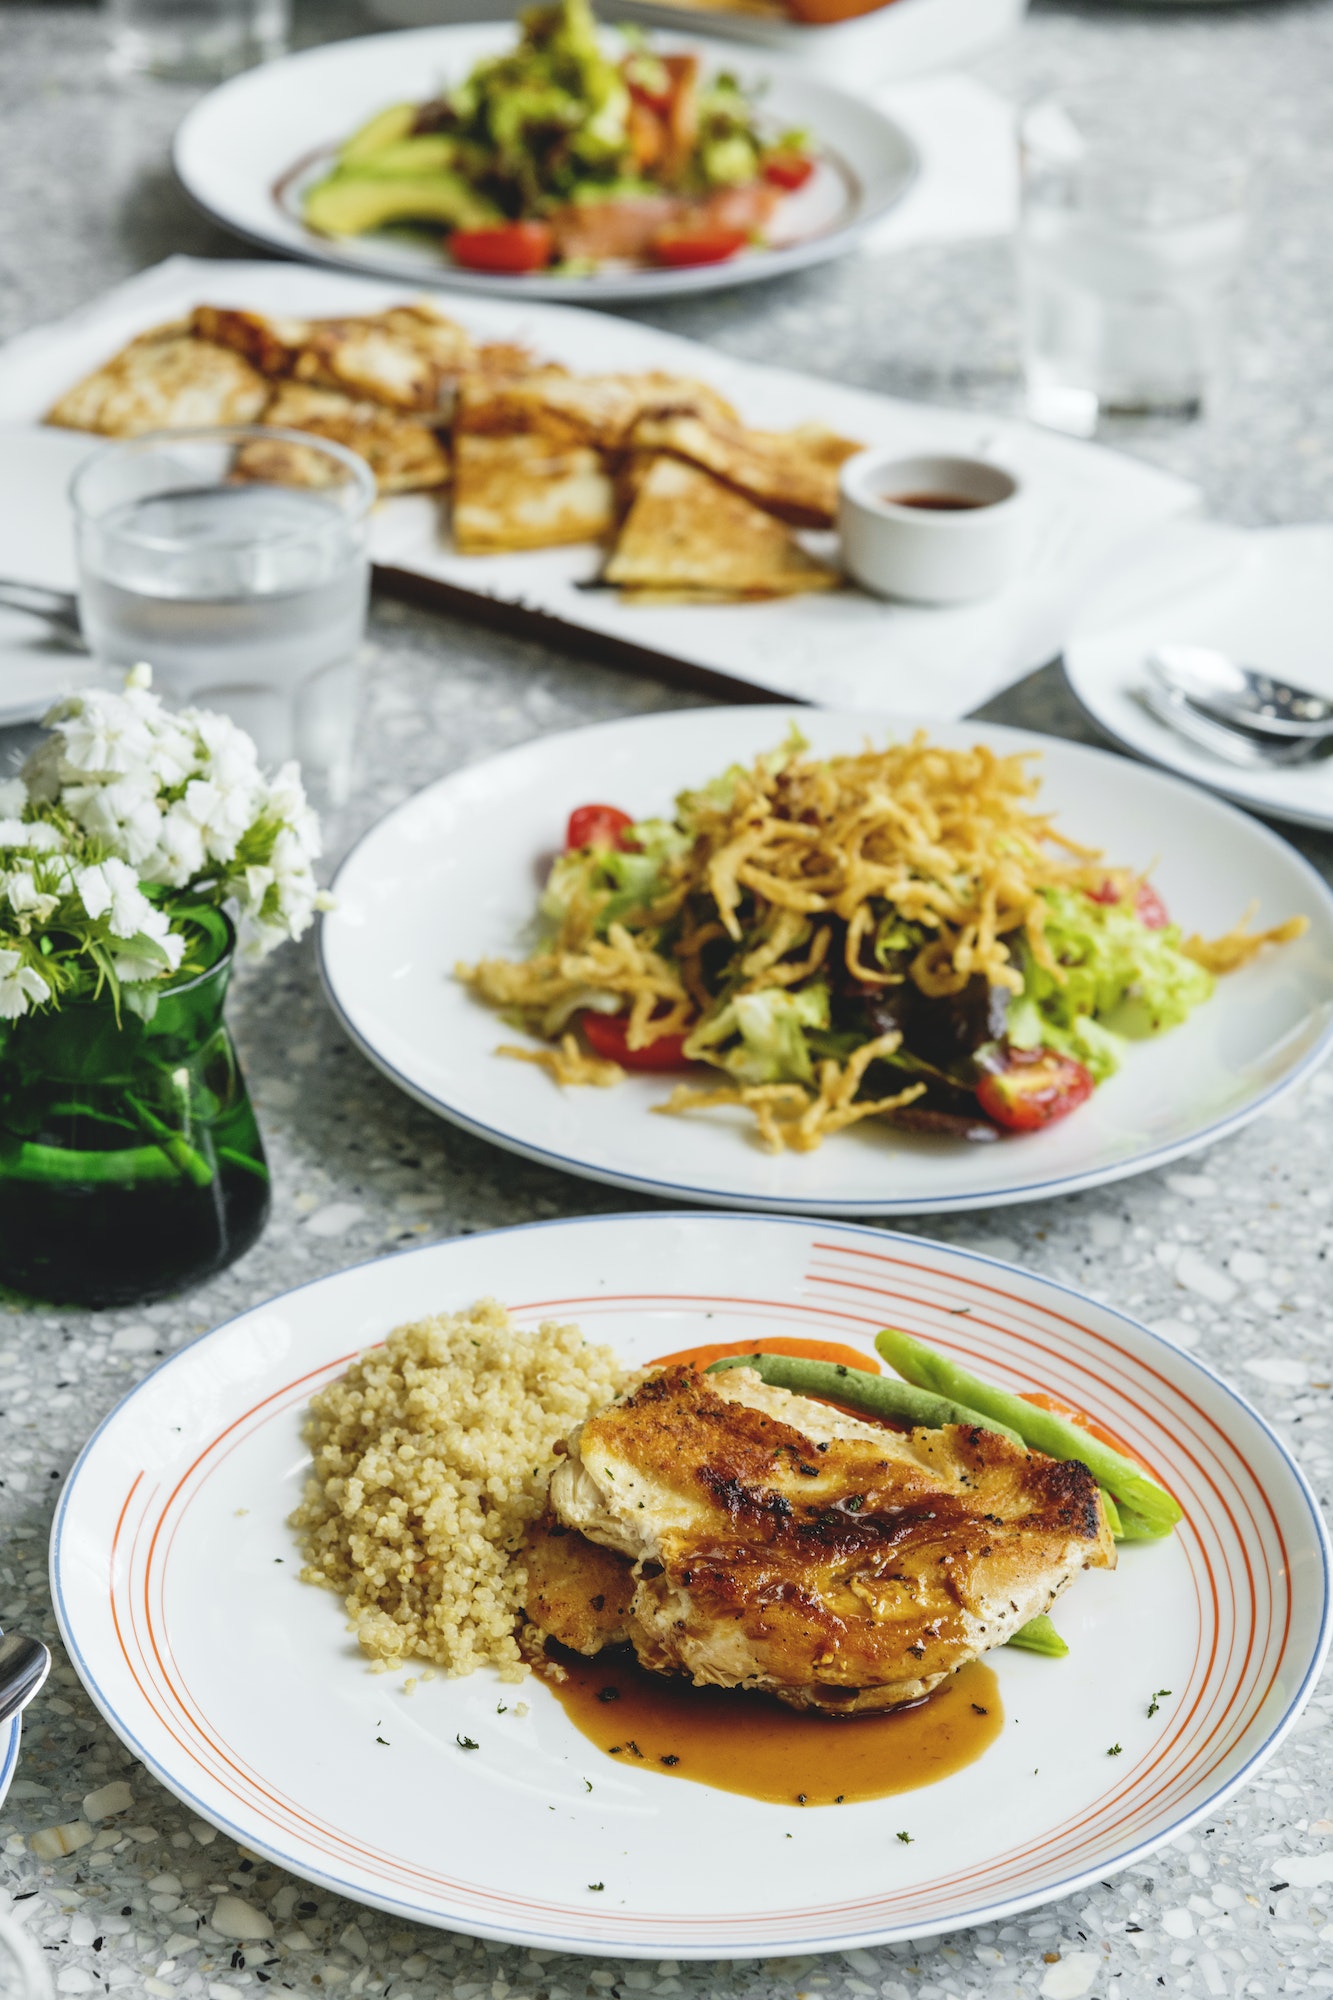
(748, 1743)
(805, 1350)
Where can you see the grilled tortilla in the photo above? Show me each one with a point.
(598, 410)
(793, 474)
(405, 454)
(768, 1541)
(686, 531)
(164, 380)
(525, 491)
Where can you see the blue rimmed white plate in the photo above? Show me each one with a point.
(454, 873)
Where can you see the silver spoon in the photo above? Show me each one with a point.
(1224, 740)
(59, 608)
(1246, 696)
(24, 1665)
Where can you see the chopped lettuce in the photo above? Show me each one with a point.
(608, 884)
(1121, 980)
(719, 792)
(770, 1027)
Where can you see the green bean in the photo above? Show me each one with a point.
(1039, 1636)
(877, 1395)
(1155, 1512)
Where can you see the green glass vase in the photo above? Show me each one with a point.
(130, 1161)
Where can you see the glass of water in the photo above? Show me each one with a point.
(196, 41)
(1130, 244)
(236, 563)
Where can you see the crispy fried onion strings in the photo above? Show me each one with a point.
(914, 862)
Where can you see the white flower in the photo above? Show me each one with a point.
(125, 813)
(19, 986)
(221, 814)
(13, 797)
(228, 755)
(33, 836)
(25, 898)
(179, 854)
(146, 957)
(257, 884)
(139, 676)
(111, 889)
(100, 731)
(287, 801)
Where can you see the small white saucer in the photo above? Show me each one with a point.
(1264, 595)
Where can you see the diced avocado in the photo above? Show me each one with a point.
(383, 129)
(730, 162)
(348, 204)
(412, 158)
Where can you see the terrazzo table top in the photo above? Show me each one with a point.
(1229, 1254)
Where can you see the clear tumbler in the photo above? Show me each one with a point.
(196, 41)
(1130, 245)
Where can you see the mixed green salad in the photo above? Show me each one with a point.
(895, 934)
(559, 152)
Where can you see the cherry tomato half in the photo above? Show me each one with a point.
(597, 826)
(788, 170)
(509, 247)
(1041, 1401)
(697, 243)
(1149, 908)
(606, 1035)
(1032, 1088)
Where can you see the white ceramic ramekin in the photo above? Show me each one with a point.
(931, 556)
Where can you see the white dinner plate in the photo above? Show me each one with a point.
(249, 148)
(10, 1733)
(175, 1582)
(1263, 595)
(454, 874)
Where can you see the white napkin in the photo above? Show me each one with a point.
(968, 180)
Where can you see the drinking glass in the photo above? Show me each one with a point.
(235, 562)
(197, 41)
(1130, 242)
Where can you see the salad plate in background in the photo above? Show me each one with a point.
(255, 150)
(454, 876)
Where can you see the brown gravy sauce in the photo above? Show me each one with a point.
(749, 1743)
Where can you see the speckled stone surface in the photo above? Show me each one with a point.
(1228, 1254)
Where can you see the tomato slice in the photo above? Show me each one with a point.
(597, 826)
(607, 1036)
(1030, 1088)
(788, 170)
(510, 247)
(697, 243)
(1149, 908)
(1072, 1415)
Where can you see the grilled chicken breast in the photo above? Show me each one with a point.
(768, 1541)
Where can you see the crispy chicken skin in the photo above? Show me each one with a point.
(772, 1542)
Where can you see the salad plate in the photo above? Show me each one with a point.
(10, 1734)
(248, 152)
(454, 875)
(175, 1583)
(1261, 595)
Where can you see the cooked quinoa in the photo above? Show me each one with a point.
(431, 1456)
